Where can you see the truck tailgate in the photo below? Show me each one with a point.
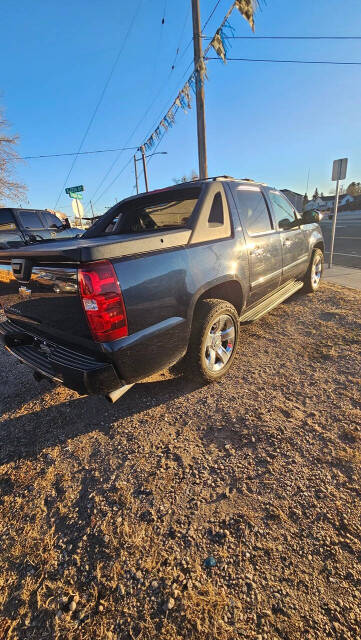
(47, 305)
(47, 302)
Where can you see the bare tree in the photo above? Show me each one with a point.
(191, 178)
(9, 189)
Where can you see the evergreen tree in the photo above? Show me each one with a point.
(316, 194)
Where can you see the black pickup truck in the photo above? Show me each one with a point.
(163, 277)
(26, 226)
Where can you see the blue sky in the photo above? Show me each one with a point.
(270, 122)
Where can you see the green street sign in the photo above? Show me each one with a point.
(78, 196)
(70, 190)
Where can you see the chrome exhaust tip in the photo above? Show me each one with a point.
(113, 396)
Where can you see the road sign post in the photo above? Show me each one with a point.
(339, 170)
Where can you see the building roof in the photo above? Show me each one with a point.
(290, 191)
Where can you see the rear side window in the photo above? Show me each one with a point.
(51, 221)
(253, 209)
(216, 215)
(30, 220)
(7, 220)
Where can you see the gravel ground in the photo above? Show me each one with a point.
(111, 516)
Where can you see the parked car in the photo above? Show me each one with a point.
(26, 226)
(163, 277)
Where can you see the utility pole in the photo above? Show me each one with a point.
(201, 118)
(136, 172)
(91, 206)
(144, 168)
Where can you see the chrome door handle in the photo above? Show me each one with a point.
(287, 243)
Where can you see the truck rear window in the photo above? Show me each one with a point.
(163, 210)
(173, 214)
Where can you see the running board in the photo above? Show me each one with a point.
(270, 303)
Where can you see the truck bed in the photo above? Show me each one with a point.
(104, 247)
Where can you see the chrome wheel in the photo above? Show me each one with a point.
(219, 343)
(316, 272)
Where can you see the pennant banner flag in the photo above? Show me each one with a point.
(246, 8)
(218, 46)
(220, 43)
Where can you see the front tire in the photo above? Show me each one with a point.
(213, 342)
(313, 276)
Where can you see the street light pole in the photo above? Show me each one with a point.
(144, 168)
(136, 172)
(201, 118)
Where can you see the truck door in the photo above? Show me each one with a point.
(10, 236)
(263, 242)
(54, 226)
(32, 225)
(293, 238)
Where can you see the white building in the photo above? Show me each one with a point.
(327, 203)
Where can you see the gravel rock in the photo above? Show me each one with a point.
(169, 604)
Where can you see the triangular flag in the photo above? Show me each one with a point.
(217, 45)
(245, 7)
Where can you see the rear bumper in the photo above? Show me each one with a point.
(77, 371)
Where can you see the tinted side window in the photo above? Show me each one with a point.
(216, 213)
(52, 221)
(7, 220)
(30, 220)
(253, 210)
(283, 210)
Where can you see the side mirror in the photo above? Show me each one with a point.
(309, 217)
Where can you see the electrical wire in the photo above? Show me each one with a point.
(77, 153)
(121, 49)
(138, 125)
(181, 37)
(338, 62)
(288, 37)
(211, 14)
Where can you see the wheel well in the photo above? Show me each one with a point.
(231, 291)
(320, 245)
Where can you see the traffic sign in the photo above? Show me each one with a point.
(339, 169)
(78, 196)
(76, 189)
(338, 173)
(77, 208)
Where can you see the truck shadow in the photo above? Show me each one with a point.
(26, 435)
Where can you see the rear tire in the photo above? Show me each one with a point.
(213, 341)
(312, 279)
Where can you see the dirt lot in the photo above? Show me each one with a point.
(109, 512)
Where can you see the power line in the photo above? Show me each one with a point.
(211, 14)
(77, 153)
(181, 36)
(338, 62)
(124, 41)
(288, 37)
(139, 123)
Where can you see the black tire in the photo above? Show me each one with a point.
(311, 283)
(208, 315)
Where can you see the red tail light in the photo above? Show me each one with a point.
(102, 301)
